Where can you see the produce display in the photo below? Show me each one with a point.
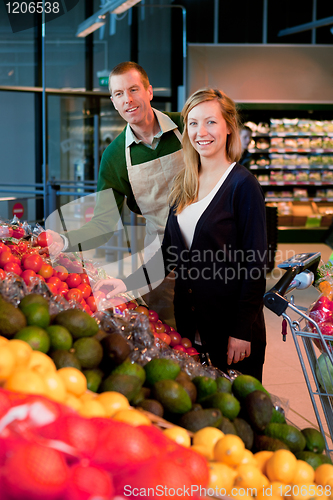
(101, 399)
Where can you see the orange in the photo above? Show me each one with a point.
(55, 387)
(26, 381)
(229, 450)
(323, 473)
(73, 402)
(207, 437)
(249, 476)
(304, 473)
(3, 340)
(178, 434)
(202, 450)
(261, 458)
(113, 402)
(87, 396)
(91, 409)
(75, 381)
(7, 362)
(281, 466)
(221, 476)
(248, 458)
(132, 417)
(41, 363)
(278, 488)
(21, 350)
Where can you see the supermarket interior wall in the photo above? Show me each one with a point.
(256, 73)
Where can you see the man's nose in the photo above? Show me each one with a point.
(128, 96)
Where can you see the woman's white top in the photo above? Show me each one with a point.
(189, 217)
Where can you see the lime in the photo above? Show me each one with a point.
(88, 351)
(37, 315)
(94, 379)
(60, 337)
(36, 337)
(161, 369)
(205, 387)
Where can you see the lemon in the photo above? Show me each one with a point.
(202, 450)
(249, 476)
(26, 381)
(91, 409)
(112, 402)
(41, 363)
(75, 381)
(281, 466)
(73, 402)
(3, 340)
(248, 458)
(178, 434)
(261, 458)
(221, 476)
(55, 387)
(21, 350)
(304, 473)
(207, 437)
(7, 362)
(229, 450)
(132, 417)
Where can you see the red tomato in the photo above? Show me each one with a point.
(46, 271)
(41, 278)
(17, 260)
(74, 294)
(142, 309)
(131, 306)
(87, 309)
(91, 302)
(53, 288)
(44, 239)
(54, 281)
(63, 287)
(61, 273)
(85, 289)
(179, 347)
(186, 342)
(118, 303)
(175, 338)
(159, 327)
(75, 267)
(85, 278)
(3, 247)
(153, 316)
(167, 328)
(18, 232)
(12, 267)
(28, 275)
(6, 257)
(23, 246)
(3, 274)
(73, 280)
(33, 262)
(165, 337)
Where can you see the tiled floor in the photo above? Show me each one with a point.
(283, 375)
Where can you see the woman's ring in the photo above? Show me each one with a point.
(242, 353)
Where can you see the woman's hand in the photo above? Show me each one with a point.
(55, 244)
(237, 350)
(118, 286)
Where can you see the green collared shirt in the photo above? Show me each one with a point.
(165, 123)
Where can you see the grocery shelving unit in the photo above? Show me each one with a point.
(292, 157)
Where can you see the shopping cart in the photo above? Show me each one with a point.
(300, 272)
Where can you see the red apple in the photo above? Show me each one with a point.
(175, 338)
(186, 342)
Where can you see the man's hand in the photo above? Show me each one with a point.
(237, 350)
(117, 286)
(55, 246)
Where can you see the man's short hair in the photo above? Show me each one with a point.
(126, 66)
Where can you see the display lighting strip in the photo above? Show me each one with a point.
(99, 19)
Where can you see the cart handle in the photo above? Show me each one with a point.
(274, 299)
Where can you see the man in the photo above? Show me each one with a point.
(139, 164)
(246, 137)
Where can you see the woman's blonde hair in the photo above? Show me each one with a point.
(186, 184)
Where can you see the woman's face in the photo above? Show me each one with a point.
(207, 129)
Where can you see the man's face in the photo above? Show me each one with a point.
(130, 98)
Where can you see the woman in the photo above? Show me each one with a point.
(215, 240)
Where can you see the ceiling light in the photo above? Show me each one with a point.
(125, 6)
(90, 25)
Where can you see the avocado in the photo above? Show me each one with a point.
(78, 323)
(244, 431)
(314, 440)
(88, 351)
(244, 385)
(225, 402)
(94, 379)
(223, 384)
(143, 393)
(130, 368)
(289, 434)
(32, 298)
(267, 443)
(12, 319)
(115, 350)
(172, 396)
(182, 375)
(153, 406)
(195, 420)
(196, 407)
(161, 369)
(278, 417)
(63, 358)
(189, 388)
(259, 409)
(128, 385)
(227, 426)
(205, 387)
(313, 459)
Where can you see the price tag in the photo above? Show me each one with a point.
(313, 220)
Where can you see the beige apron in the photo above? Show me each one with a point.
(151, 184)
